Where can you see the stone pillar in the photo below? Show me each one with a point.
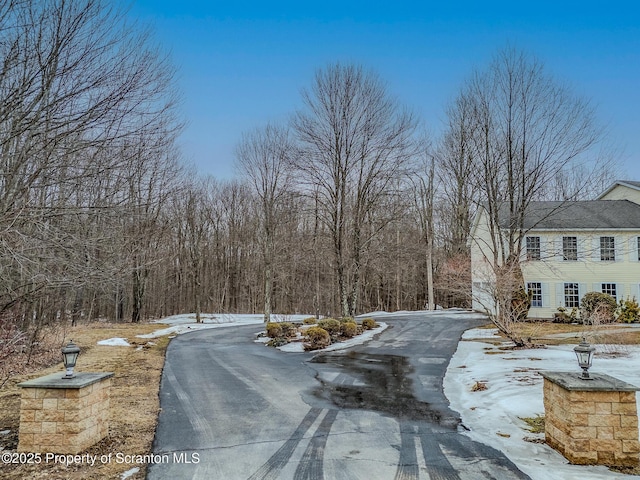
(591, 422)
(60, 415)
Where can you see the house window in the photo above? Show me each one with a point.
(571, 295)
(610, 288)
(535, 292)
(607, 249)
(638, 248)
(569, 248)
(533, 248)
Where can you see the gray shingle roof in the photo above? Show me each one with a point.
(589, 214)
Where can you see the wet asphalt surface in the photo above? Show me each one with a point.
(233, 409)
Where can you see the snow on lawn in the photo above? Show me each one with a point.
(438, 311)
(115, 342)
(187, 322)
(514, 389)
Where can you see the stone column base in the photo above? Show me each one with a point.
(591, 422)
(64, 415)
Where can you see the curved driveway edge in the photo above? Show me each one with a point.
(232, 409)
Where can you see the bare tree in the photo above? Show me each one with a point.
(356, 141)
(77, 85)
(264, 158)
(455, 159)
(423, 193)
(526, 129)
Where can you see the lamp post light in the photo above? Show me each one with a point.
(69, 357)
(584, 352)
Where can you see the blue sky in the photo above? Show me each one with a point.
(244, 63)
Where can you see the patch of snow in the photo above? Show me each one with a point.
(481, 333)
(439, 311)
(187, 322)
(129, 473)
(514, 389)
(5, 432)
(115, 342)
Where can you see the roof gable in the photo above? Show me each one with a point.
(624, 183)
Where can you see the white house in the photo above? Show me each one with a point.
(569, 249)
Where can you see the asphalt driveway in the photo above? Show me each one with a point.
(233, 409)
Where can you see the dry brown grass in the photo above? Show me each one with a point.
(134, 401)
(548, 333)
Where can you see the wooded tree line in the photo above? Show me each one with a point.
(346, 209)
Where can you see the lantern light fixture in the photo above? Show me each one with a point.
(584, 352)
(69, 357)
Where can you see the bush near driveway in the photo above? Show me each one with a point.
(316, 338)
(369, 323)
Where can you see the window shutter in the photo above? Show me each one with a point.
(544, 246)
(545, 295)
(596, 287)
(635, 291)
(560, 294)
(596, 249)
(619, 248)
(620, 293)
(579, 249)
(558, 249)
(582, 289)
(633, 248)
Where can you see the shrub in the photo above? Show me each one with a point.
(369, 323)
(274, 330)
(331, 325)
(316, 338)
(601, 303)
(288, 329)
(310, 321)
(349, 329)
(628, 311)
(347, 319)
(561, 316)
(277, 342)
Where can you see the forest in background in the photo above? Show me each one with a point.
(349, 208)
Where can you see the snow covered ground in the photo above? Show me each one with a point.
(187, 322)
(514, 391)
(493, 416)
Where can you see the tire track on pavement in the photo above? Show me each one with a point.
(311, 463)
(270, 470)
